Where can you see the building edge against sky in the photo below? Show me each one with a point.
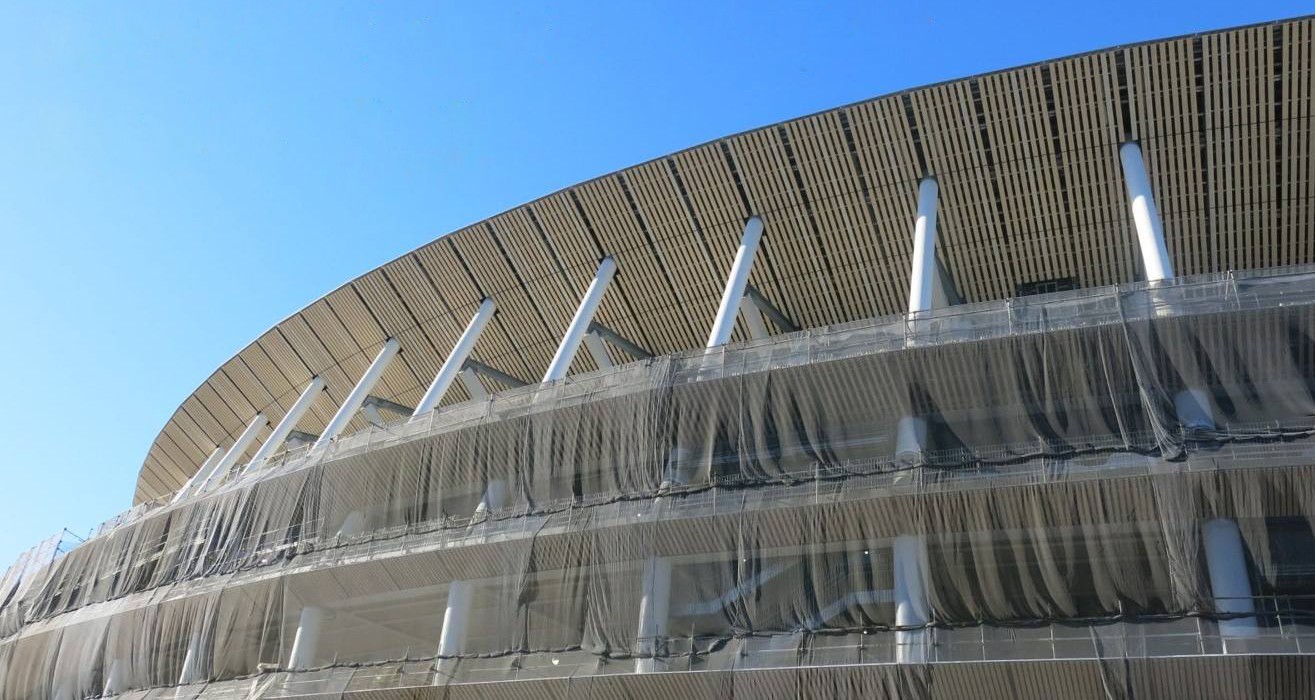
(1051, 403)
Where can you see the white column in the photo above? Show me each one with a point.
(1225, 558)
(676, 470)
(358, 393)
(925, 293)
(192, 660)
(305, 645)
(1193, 406)
(495, 496)
(456, 359)
(911, 610)
(910, 437)
(289, 422)
(201, 474)
(1194, 409)
(584, 315)
(724, 323)
(1145, 215)
(353, 524)
(452, 640)
(654, 608)
(922, 283)
(234, 453)
(597, 350)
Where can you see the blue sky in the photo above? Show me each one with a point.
(174, 179)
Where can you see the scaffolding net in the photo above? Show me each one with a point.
(1034, 475)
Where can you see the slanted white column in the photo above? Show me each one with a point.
(910, 551)
(922, 282)
(910, 437)
(911, 609)
(201, 474)
(289, 422)
(1194, 409)
(234, 453)
(724, 323)
(306, 643)
(192, 660)
(495, 496)
(456, 360)
(1225, 558)
(654, 608)
(925, 294)
(676, 470)
(353, 524)
(1193, 405)
(1145, 215)
(358, 393)
(456, 618)
(584, 315)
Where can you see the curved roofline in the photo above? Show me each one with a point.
(603, 176)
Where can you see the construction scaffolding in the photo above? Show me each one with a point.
(743, 508)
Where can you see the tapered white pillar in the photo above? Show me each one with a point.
(359, 393)
(910, 439)
(922, 282)
(456, 360)
(724, 323)
(1194, 409)
(306, 642)
(354, 524)
(207, 468)
(1145, 215)
(911, 609)
(1225, 559)
(1192, 404)
(234, 453)
(925, 294)
(456, 617)
(495, 497)
(289, 422)
(654, 608)
(584, 315)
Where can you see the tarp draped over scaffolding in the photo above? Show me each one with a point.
(603, 473)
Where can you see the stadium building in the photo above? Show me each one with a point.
(1002, 388)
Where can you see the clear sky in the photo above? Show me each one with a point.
(175, 179)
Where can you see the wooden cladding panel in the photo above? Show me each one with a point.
(683, 253)
(1031, 188)
(1088, 129)
(1239, 100)
(845, 219)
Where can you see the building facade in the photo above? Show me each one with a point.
(1002, 387)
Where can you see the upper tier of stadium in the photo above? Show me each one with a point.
(1031, 197)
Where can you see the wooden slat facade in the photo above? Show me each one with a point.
(1031, 190)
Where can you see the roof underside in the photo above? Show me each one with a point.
(1031, 190)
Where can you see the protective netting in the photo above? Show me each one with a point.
(1053, 459)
